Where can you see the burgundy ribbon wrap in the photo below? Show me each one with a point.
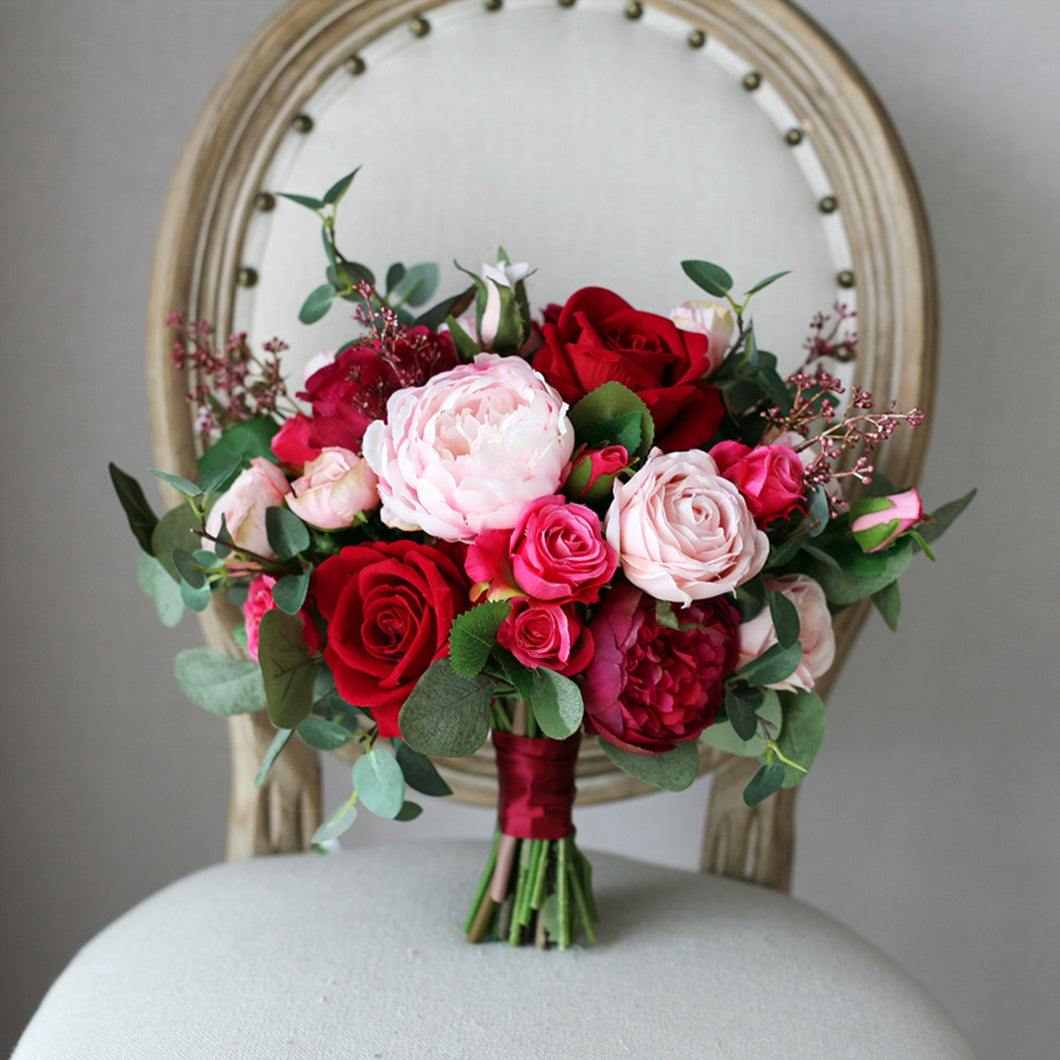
(536, 781)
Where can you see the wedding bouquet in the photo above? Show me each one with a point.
(475, 521)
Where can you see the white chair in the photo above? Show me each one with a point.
(602, 143)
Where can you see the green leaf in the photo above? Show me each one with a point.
(337, 823)
(722, 736)
(740, 710)
(176, 529)
(710, 277)
(188, 569)
(625, 430)
(287, 534)
(420, 772)
(449, 307)
(156, 582)
(290, 591)
(379, 783)
(771, 382)
(287, 669)
(888, 602)
(816, 513)
(943, 517)
(142, 520)
(417, 284)
(218, 684)
(772, 666)
(762, 284)
(333, 196)
(802, 734)
(317, 303)
(238, 446)
(768, 780)
(197, 598)
(353, 273)
(557, 704)
(608, 403)
(520, 677)
(785, 619)
(670, 770)
(466, 346)
(847, 586)
(474, 635)
(751, 597)
(219, 476)
(303, 200)
(409, 811)
(272, 752)
(393, 276)
(447, 714)
(185, 488)
(323, 735)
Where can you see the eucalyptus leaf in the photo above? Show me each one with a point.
(888, 601)
(272, 752)
(417, 284)
(710, 277)
(334, 195)
(474, 635)
(843, 588)
(767, 281)
(751, 597)
(185, 488)
(942, 518)
(337, 823)
(303, 200)
(323, 735)
(197, 598)
(379, 783)
(447, 714)
(722, 736)
(741, 715)
(287, 668)
(785, 618)
(238, 445)
(156, 582)
(409, 811)
(290, 591)
(767, 781)
(772, 666)
(802, 734)
(219, 684)
(394, 275)
(557, 704)
(420, 772)
(142, 519)
(317, 303)
(219, 475)
(176, 530)
(186, 566)
(449, 307)
(669, 770)
(287, 534)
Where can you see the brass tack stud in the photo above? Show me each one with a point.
(794, 137)
(493, 5)
(420, 26)
(845, 278)
(828, 204)
(265, 201)
(634, 9)
(355, 65)
(752, 80)
(697, 38)
(247, 277)
(302, 123)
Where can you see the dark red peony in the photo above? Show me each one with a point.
(770, 477)
(389, 606)
(650, 687)
(598, 337)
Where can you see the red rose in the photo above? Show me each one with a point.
(598, 338)
(538, 633)
(349, 393)
(770, 477)
(290, 443)
(389, 606)
(650, 687)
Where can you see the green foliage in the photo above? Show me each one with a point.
(466, 346)
(176, 529)
(414, 286)
(474, 635)
(197, 598)
(186, 489)
(290, 591)
(768, 720)
(218, 684)
(156, 582)
(337, 823)
(741, 706)
(802, 734)
(762, 284)
(240, 444)
(420, 773)
(272, 752)
(613, 415)
(768, 780)
(751, 597)
(434, 317)
(785, 619)
(142, 519)
(669, 770)
(322, 734)
(888, 601)
(858, 574)
(287, 534)
(287, 669)
(772, 666)
(317, 303)
(710, 277)
(335, 194)
(447, 714)
(409, 811)
(557, 704)
(942, 518)
(379, 782)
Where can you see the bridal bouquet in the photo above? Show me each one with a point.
(476, 521)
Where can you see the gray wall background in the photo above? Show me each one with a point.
(931, 822)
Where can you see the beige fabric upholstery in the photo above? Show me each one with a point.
(359, 954)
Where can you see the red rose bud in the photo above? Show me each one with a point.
(877, 521)
(593, 471)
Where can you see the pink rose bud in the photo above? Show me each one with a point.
(877, 521)
(593, 472)
(335, 488)
(711, 319)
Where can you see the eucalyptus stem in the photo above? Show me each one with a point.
(483, 884)
(563, 893)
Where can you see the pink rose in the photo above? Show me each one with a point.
(259, 600)
(539, 633)
(335, 488)
(770, 477)
(243, 505)
(682, 532)
(877, 521)
(707, 318)
(649, 686)
(556, 551)
(815, 631)
(470, 449)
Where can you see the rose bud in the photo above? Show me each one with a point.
(593, 472)
(877, 521)
(710, 319)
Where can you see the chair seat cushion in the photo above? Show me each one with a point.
(360, 954)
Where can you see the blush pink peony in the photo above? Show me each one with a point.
(682, 532)
(334, 489)
(469, 449)
(815, 631)
(244, 504)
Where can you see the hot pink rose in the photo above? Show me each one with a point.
(556, 551)
(243, 506)
(682, 532)
(770, 477)
(815, 631)
(335, 488)
(259, 600)
(290, 443)
(649, 686)
(539, 633)
(470, 449)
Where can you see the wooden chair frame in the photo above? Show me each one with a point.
(198, 259)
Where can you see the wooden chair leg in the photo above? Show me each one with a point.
(753, 843)
(281, 817)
